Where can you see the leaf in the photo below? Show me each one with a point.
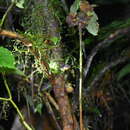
(93, 26)
(18, 72)
(123, 72)
(55, 40)
(19, 3)
(39, 108)
(7, 62)
(54, 67)
(6, 59)
(75, 6)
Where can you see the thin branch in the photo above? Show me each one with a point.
(81, 76)
(105, 69)
(4, 99)
(6, 14)
(14, 105)
(49, 108)
(114, 36)
(7, 87)
(52, 101)
(15, 36)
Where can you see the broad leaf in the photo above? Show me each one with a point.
(93, 26)
(75, 6)
(7, 62)
(6, 59)
(123, 72)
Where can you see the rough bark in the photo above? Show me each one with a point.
(58, 81)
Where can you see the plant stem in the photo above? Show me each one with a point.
(7, 87)
(6, 13)
(14, 105)
(81, 76)
(4, 99)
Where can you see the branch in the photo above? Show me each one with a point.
(6, 13)
(14, 105)
(15, 36)
(114, 36)
(104, 70)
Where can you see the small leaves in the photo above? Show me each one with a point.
(85, 17)
(93, 25)
(54, 67)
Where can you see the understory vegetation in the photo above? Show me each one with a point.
(64, 65)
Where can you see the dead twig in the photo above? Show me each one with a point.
(15, 36)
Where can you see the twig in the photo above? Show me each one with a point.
(15, 36)
(14, 105)
(81, 76)
(52, 101)
(105, 69)
(6, 13)
(49, 108)
(114, 36)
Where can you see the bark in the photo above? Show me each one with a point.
(58, 81)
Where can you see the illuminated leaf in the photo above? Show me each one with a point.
(20, 3)
(6, 59)
(55, 40)
(75, 6)
(93, 26)
(39, 108)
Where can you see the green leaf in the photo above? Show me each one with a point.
(75, 6)
(123, 72)
(6, 59)
(54, 67)
(93, 26)
(19, 3)
(55, 40)
(18, 72)
(7, 62)
(39, 108)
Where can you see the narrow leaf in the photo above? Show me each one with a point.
(123, 72)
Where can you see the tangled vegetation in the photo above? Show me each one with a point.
(57, 59)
